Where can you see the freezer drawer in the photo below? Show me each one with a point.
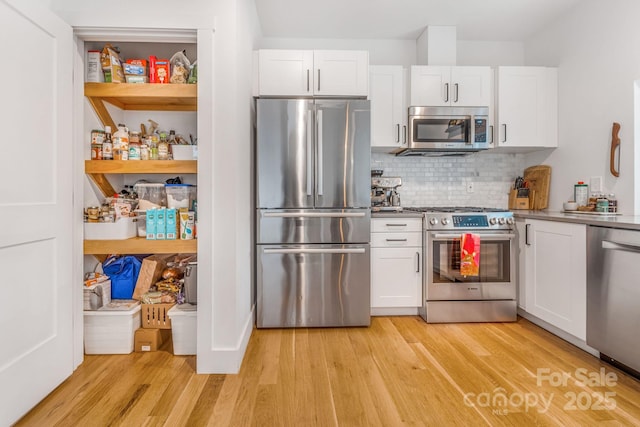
(313, 226)
(313, 286)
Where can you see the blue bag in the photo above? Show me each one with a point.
(123, 272)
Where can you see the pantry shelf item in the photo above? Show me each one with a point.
(140, 245)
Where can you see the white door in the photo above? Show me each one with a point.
(386, 90)
(35, 206)
(285, 72)
(396, 277)
(430, 86)
(470, 86)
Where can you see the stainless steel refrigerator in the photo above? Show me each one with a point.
(313, 213)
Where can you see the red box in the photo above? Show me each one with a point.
(162, 71)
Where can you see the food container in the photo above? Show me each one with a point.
(111, 329)
(180, 195)
(581, 193)
(184, 152)
(183, 328)
(123, 228)
(150, 195)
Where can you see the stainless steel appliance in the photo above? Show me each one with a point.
(447, 131)
(313, 213)
(613, 296)
(449, 296)
(384, 193)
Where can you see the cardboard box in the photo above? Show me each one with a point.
(147, 339)
(172, 225)
(150, 272)
(111, 65)
(161, 223)
(151, 224)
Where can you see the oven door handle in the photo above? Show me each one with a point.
(482, 236)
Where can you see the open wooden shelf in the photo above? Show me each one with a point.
(140, 245)
(140, 166)
(145, 96)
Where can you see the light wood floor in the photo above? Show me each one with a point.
(400, 371)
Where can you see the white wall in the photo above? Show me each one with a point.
(492, 53)
(594, 46)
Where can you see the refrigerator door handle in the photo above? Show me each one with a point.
(315, 251)
(309, 160)
(319, 155)
(314, 214)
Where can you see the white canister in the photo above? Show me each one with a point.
(581, 193)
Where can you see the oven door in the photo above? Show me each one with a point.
(496, 277)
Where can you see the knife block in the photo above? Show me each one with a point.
(516, 202)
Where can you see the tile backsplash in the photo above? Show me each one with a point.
(443, 181)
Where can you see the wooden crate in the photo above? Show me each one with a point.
(155, 316)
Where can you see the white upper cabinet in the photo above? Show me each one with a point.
(312, 73)
(526, 108)
(387, 92)
(436, 86)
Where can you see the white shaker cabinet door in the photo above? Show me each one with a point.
(470, 86)
(430, 86)
(388, 109)
(341, 72)
(285, 72)
(36, 257)
(396, 277)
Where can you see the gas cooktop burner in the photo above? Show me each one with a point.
(454, 209)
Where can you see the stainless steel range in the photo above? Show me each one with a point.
(486, 295)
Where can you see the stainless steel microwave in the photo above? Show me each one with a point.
(447, 130)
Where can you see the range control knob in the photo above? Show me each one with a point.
(445, 221)
(433, 221)
(510, 221)
(501, 221)
(493, 221)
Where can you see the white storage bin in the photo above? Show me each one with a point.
(110, 330)
(123, 228)
(184, 152)
(183, 328)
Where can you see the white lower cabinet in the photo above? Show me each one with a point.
(552, 277)
(396, 263)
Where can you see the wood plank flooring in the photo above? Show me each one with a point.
(400, 371)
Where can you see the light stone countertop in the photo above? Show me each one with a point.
(629, 222)
(392, 214)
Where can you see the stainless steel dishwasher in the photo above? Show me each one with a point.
(613, 296)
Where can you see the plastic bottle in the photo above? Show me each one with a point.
(153, 147)
(107, 144)
(613, 203)
(121, 143)
(163, 147)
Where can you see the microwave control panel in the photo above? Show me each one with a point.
(480, 130)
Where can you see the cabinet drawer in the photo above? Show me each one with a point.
(396, 224)
(381, 240)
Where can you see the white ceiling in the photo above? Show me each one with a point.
(490, 20)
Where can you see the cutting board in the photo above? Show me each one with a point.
(539, 180)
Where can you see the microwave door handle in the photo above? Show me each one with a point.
(319, 155)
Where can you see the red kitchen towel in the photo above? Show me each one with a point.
(469, 254)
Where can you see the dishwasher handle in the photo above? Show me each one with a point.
(620, 246)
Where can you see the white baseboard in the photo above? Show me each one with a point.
(228, 360)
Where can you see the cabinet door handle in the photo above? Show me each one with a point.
(307, 80)
(418, 264)
(318, 80)
(404, 134)
(491, 133)
(504, 132)
(526, 234)
(456, 92)
(396, 225)
(396, 240)
(398, 132)
(446, 92)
